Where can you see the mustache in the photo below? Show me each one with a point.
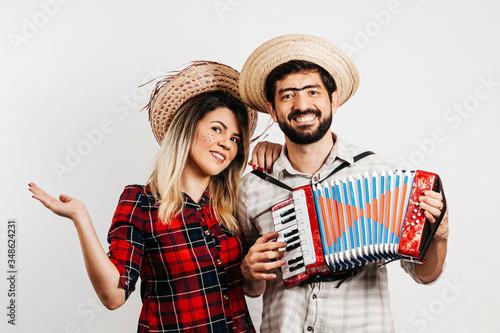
(294, 114)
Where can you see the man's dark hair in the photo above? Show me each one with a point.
(293, 67)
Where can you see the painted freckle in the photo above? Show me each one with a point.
(209, 137)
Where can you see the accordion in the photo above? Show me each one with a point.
(345, 223)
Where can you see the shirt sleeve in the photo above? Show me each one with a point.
(409, 267)
(248, 229)
(126, 238)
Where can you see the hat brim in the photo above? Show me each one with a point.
(285, 48)
(199, 78)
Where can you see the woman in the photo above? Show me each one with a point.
(178, 233)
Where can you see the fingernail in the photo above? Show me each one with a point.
(269, 170)
(261, 169)
(254, 167)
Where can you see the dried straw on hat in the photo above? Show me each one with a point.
(285, 48)
(200, 77)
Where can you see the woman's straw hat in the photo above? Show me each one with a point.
(174, 90)
(285, 48)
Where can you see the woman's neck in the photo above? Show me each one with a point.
(192, 185)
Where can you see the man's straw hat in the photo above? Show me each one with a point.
(285, 48)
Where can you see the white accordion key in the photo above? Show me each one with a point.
(304, 226)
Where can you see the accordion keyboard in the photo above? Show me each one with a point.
(291, 221)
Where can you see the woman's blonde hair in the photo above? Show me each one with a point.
(175, 148)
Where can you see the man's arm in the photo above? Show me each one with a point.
(429, 271)
(262, 257)
(262, 254)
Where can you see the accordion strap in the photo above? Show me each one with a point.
(270, 179)
(346, 164)
(438, 220)
(273, 180)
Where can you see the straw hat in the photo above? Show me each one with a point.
(174, 90)
(285, 48)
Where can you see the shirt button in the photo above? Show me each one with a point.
(315, 179)
(198, 208)
(314, 296)
(207, 232)
(309, 328)
(219, 261)
(226, 297)
(127, 283)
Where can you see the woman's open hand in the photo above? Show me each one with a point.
(65, 206)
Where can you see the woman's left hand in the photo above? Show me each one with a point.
(264, 155)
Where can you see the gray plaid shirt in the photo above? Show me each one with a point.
(361, 304)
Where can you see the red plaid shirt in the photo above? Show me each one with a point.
(190, 270)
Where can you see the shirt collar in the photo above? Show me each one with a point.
(204, 201)
(339, 151)
(205, 198)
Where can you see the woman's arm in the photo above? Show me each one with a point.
(103, 274)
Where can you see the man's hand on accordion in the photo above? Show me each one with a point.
(429, 271)
(262, 257)
(432, 204)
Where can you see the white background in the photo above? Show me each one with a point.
(429, 98)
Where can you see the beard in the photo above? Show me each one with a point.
(303, 134)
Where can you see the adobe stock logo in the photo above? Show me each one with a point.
(372, 29)
(421, 318)
(95, 136)
(453, 117)
(224, 6)
(31, 27)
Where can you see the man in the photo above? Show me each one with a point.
(304, 80)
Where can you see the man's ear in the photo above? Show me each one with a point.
(271, 112)
(335, 102)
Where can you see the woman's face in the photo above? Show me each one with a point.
(215, 143)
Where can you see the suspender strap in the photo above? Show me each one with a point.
(337, 169)
(346, 164)
(272, 180)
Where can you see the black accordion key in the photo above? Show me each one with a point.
(293, 246)
(285, 213)
(291, 233)
(288, 219)
(291, 240)
(293, 268)
(295, 260)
